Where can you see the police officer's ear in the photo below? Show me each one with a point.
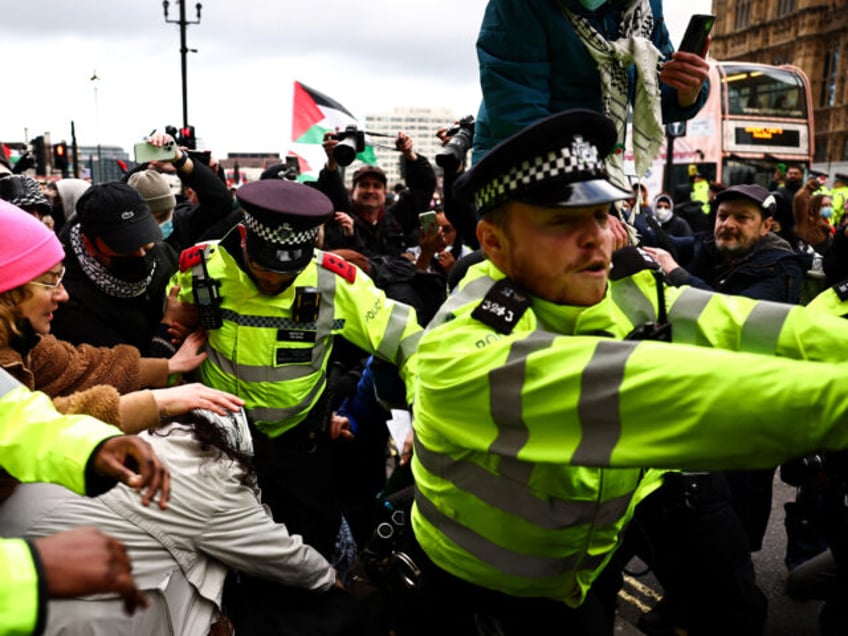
(492, 238)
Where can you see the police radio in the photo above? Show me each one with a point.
(661, 328)
(207, 298)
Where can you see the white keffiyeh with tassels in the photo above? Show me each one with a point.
(633, 47)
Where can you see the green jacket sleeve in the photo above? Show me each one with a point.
(37, 443)
(22, 608)
(728, 396)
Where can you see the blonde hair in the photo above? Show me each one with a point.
(9, 317)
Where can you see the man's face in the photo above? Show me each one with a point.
(369, 193)
(267, 282)
(794, 174)
(560, 255)
(739, 224)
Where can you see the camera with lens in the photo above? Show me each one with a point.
(351, 141)
(453, 153)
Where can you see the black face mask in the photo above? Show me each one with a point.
(131, 269)
(793, 184)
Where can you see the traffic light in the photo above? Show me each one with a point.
(40, 153)
(186, 138)
(60, 157)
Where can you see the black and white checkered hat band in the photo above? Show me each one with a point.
(284, 234)
(580, 160)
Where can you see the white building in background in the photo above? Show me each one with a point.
(419, 123)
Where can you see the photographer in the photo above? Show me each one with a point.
(457, 141)
(383, 231)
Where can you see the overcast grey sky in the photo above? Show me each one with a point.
(370, 56)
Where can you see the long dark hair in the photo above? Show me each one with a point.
(213, 440)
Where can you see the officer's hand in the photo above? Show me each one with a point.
(85, 561)
(117, 454)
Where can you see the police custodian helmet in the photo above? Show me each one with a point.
(555, 162)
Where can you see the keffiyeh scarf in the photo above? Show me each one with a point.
(633, 47)
(100, 276)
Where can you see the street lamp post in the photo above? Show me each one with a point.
(183, 48)
(99, 171)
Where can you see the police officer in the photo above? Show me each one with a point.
(273, 305)
(839, 196)
(546, 384)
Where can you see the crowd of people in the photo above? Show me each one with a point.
(574, 356)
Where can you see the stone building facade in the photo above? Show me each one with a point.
(810, 34)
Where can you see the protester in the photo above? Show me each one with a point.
(116, 273)
(180, 556)
(540, 57)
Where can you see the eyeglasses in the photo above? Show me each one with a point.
(51, 286)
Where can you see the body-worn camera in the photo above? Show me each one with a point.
(453, 153)
(351, 141)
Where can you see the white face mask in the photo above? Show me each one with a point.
(663, 214)
(591, 5)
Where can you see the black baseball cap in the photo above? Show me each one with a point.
(119, 215)
(281, 219)
(556, 162)
(764, 199)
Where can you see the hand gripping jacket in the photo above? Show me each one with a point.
(528, 443)
(273, 350)
(37, 444)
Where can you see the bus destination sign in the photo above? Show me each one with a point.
(767, 136)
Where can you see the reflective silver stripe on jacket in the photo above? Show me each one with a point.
(390, 341)
(631, 300)
(598, 405)
(684, 314)
(506, 561)
(323, 328)
(7, 382)
(473, 291)
(515, 498)
(759, 334)
(282, 415)
(761, 330)
(505, 385)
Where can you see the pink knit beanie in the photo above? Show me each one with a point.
(28, 248)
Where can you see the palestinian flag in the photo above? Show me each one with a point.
(314, 114)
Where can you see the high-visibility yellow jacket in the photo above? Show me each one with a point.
(277, 365)
(839, 200)
(528, 445)
(37, 443)
(833, 300)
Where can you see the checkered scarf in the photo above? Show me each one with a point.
(634, 47)
(100, 276)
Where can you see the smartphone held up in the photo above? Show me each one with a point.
(696, 35)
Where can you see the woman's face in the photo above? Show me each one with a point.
(44, 293)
